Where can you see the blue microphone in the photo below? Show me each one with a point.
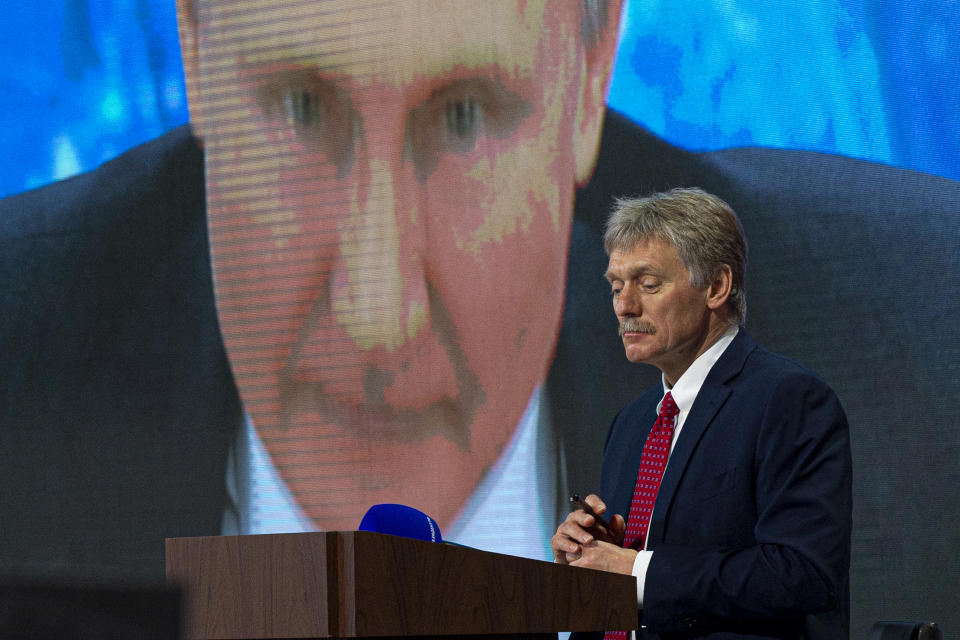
(401, 520)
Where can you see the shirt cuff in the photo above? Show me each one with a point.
(640, 565)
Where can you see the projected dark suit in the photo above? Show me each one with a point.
(116, 399)
(118, 406)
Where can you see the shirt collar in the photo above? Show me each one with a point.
(685, 391)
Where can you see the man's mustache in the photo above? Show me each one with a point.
(632, 325)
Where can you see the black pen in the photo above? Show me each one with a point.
(577, 502)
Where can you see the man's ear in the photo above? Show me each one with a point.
(188, 25)
(719, 290)
(592, 102)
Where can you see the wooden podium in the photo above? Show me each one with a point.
(361, 584)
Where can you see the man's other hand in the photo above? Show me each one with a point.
(580, 530)
(606, 557)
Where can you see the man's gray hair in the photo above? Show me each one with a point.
(594, 19)
(703, 229)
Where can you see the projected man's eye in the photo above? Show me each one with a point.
(464, 119)
(319, 115)
(302, 108)
(458, 117)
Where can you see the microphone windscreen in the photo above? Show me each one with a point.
(401, 520)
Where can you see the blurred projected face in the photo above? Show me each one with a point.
(390, 192)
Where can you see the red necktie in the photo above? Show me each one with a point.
(653, 461)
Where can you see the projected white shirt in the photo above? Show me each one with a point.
(515, 491)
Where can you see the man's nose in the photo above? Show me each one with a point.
(378, 288)
(627, 304)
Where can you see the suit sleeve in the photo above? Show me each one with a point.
(798, 560)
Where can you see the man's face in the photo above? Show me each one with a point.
(389, 192)
(664, 320)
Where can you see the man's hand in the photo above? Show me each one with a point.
(606, 557)
(580, 542)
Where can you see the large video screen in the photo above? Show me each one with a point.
(361, 274)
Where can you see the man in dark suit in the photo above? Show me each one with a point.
(750, 532)
(849, 265)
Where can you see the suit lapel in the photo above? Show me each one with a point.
(711, 397)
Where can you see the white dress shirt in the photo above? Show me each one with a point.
(684, 393)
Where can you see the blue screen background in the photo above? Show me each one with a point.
(84, 80)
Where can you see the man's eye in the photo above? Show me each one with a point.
(457, 117)
(302, 108)
(314, 112)
(464, 119)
